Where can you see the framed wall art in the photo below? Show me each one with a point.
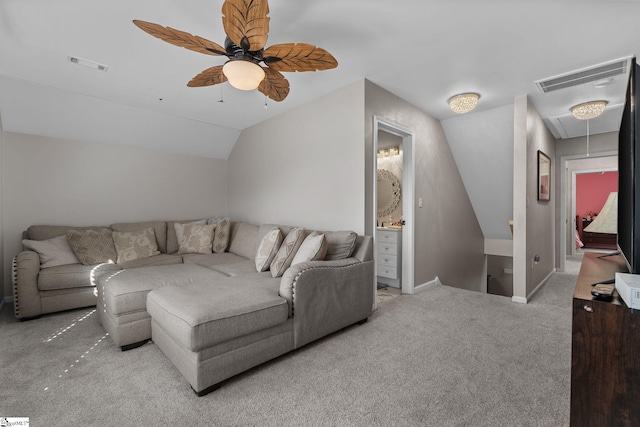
(544, 177)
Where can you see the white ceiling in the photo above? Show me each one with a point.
(423, 51)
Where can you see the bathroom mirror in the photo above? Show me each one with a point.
(389, 192)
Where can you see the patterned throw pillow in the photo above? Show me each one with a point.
(92, 246)
(179, 228)
(132, 245)
(287, 251)
(52, 252)
(197, 239)
(313, 248)
(268, 249)
(221, 235)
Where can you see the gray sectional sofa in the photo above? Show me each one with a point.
(215, 314)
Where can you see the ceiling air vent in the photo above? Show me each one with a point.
(586, 75)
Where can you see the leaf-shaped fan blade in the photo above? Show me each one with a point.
(210, 76)
(298, 57)
(181, 39)
(246, 23)
(274, 85)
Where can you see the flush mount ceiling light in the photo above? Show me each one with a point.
(588, 110)
(464, 102)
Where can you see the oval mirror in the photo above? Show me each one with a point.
(389, 192)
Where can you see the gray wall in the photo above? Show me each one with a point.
(53, 181)
(482, 145)
(448, 240)
(304, 167)
(540, 215)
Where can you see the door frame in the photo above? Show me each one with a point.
(565, 222)
(408, 198)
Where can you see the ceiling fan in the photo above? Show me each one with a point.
(247, 26)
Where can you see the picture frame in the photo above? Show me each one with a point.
(544, 177)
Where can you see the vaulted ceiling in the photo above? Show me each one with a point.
(423, 51)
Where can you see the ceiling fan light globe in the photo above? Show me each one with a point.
(243, 75)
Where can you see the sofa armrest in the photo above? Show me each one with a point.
(326, 296)
(26, 296)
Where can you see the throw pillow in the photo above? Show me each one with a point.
(268, 249)
(313, 248)
(132, 245)
(222, 233)
(179, 228)
(341, 244)
(287, 251)
(52, 252)
(197, 239)
(92, 246)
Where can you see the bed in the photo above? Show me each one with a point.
(602, 231)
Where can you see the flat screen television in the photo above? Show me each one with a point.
(629, 175)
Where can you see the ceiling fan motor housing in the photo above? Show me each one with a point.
(235, 52)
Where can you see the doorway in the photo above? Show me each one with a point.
(570, 166)
(397, 159)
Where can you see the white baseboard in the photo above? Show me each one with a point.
(541, 284)
(523, 300)
(427, 286)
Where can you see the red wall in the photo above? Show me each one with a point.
(592, 190)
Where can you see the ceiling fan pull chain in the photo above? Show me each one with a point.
(266, 107)
(221, 97)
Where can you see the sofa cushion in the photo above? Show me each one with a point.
(287, 251)
(199, 315)
(72, 276)
(52, 252)
(161, 259)
(196, 238)
(221, 235)
(268, 248)
(132, 245)
(213, 260)
(92, 246)
(244, 267)
(159, 227)
(314, 248)
(243, 240)
(126, 291)
(340, 244)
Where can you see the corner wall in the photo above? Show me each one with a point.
(449, 243)
(534, 220)
(62, 182)
(304, 167)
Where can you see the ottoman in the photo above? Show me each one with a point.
(122, 298)
(213, 331)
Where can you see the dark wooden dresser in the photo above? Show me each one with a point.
(605, 352)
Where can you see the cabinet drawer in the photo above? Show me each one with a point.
(388, 248)
(388, 272)
(387, 237)
(388, 260)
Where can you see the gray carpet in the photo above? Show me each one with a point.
(445, 357)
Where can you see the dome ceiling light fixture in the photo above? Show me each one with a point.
(464, 102)
(588, 110)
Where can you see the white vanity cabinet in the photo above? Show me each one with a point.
(389, 256)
